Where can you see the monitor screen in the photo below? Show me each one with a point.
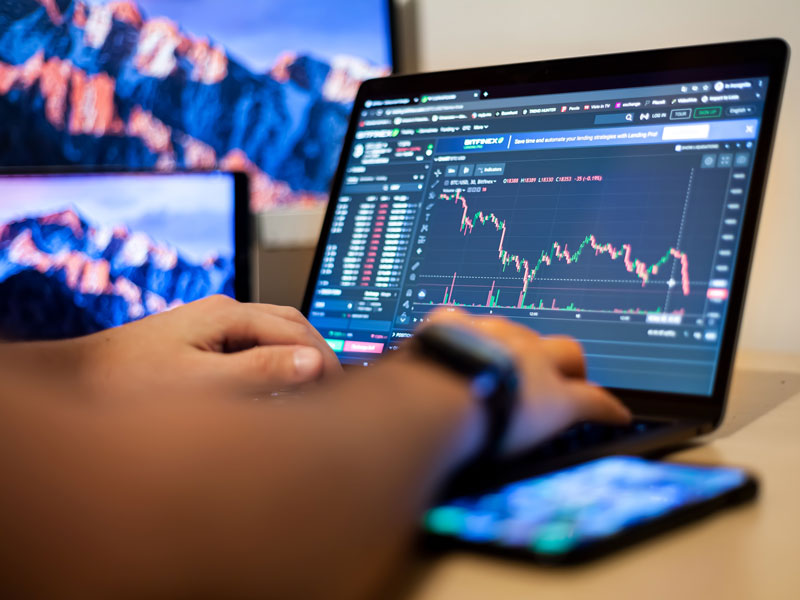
(612, 215)
(81, 253)
(264, 87)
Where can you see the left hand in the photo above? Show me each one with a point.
(215, 347)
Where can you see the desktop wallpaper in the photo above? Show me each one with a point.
(81, 253)
(264, 86)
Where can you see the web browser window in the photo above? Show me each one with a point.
(610, 215)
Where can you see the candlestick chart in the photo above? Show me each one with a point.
(500, 254)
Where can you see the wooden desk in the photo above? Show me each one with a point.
(747, 552)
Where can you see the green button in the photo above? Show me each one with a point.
(336, 345)
(707, 112)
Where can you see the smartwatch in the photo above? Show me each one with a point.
(488, 365)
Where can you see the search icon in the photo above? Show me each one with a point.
(613, 119)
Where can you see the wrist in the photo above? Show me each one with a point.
(489, 368)
(449, 398)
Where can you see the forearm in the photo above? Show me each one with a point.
(310, 499)
(353, 490)
(45, 369)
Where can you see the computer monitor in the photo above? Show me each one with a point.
(263, 87)
(82, 252)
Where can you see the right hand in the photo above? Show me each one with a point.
(554, 393)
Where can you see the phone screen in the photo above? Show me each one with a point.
(558, 513)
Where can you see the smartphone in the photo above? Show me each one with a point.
(585, 511)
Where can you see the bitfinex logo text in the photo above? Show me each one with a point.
(484, 141)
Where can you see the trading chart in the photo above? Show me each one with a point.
(552, 238)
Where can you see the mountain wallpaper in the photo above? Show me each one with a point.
(61, 277)
(101, 83)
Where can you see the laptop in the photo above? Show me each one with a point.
(611, 198)
(83, 251)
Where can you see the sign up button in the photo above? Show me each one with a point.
(680, 113)
(707, 112)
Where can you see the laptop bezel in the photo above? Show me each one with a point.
(766, 57)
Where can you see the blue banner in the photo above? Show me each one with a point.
(698, 131)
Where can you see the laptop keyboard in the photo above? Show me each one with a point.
(586, 435)
(579, 443)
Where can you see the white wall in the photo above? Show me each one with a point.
(460, 33)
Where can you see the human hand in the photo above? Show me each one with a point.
(553, 393)
(214, 347)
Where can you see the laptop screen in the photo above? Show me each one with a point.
(610, 215)
(83, 252)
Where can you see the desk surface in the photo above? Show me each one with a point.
(747, 552)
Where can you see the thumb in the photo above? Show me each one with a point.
(274, 367)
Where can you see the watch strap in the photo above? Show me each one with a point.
(488, 365)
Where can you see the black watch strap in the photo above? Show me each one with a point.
(489, 366)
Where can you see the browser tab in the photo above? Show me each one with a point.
(449, 97)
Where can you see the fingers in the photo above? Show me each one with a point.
(308, 333)
(245, 328)
(563, 352)
(553, 371)
(269, 368)
(500, 330)
(566, 354)
(238, 327)
(286, 312)
(593, 403)
(555, 394)
(332, 364)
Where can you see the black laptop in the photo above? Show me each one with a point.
(611, 198)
